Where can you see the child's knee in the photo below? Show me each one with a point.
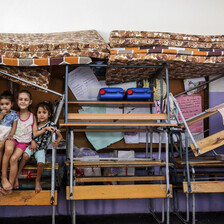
(26, 157)
(14, 159)
(40, 164)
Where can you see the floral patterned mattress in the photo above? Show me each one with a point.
(46, 45)
(186, 56)
(20, 54)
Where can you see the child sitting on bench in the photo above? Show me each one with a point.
(44, 112)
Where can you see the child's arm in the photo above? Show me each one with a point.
(37, 132)
(59, 138)
(2, 114)
(13, 130)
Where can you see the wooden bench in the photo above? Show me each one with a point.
(119, 191)
(103, 163)
(29, 197)
(204, 187)
(207, 144)
(75, 119)
(149, 190)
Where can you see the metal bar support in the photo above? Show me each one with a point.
(167, 93)
(66, 94)
(71, 134)
(205, 83)
(53, 179)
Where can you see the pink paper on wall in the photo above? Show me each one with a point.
(190, 106)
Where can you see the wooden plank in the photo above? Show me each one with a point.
(118, 125)
(109, 179)
(108, 130)
(204, 187)
(111, 102)
(29, 197)
(103, 163)
(34, 166)
(75, 116)
(209, 143)
(200, 162)
(118, 191)
(199, 118)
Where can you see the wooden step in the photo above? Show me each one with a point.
(119, 191)
(209, 143)
(111, 179)
(112, 124)
(204, 187)
(27, 197)
(200, 162)
(118, 120)
(47, 166)
(103, 163)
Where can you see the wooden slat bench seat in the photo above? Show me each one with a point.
(128, 178)
(47, 166)
(200, 162)
(209, 143)
(119, 191)
(102, 163)
(204, 187)
(27, 197)
(129, 117)
(75, 119)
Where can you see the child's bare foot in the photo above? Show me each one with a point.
(38, 187)
(6, 185)
(2, 191)
(16, 184)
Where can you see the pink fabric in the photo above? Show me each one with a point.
(20, 145)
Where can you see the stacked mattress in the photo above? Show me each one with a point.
(53, 45)
(46, 49)
(186, 56)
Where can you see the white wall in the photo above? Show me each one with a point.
(181, 16)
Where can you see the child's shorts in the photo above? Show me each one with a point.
(20, 145)
(39, 155)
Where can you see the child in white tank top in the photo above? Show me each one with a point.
(14, 148)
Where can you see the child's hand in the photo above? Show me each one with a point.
(10, 137)
(3, 113)
(33, 146)
(52, 129)
(55, 144)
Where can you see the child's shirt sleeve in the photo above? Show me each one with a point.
(16, 116)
